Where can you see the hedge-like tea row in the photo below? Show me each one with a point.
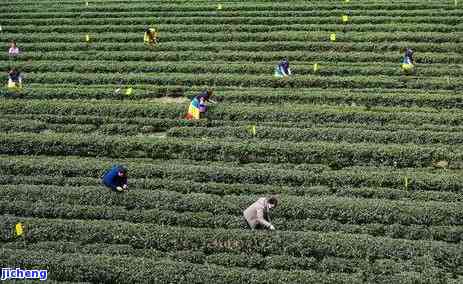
(254, 261)
(410, 98)
(351, 135)
(299, 68)
(238, 112)
(336, 155)
(139, 123)
(345, 210)
(132, 24)
(363, 9)
(226, 79)
(333, 97)
(219, 220)
(240, 6)
(43, 91)
(145, 125)
(73, 266)
(37, 127)
(233, 56)
(303, 175)
(187, 186)
(300, 244)
(122, 269)
(34, 126)
(242, 36)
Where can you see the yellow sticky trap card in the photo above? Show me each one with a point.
(86, 3)
(315, 67)
(252, 130)
(333, 37)
(1, 28)
(87, 38)
(345, 18)
(219, 7)
(456, 3)
(19, 229)
(347, 1)
(129, 91)
(406, 183)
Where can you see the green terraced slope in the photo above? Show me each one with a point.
(367, 162)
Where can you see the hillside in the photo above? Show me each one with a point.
(367, 162)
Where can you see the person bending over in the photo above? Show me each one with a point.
(116, 179)
(258, 214)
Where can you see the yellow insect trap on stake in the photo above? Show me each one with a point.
(19, 229)
(347, 1)
(87, 38)
(315, 68)
(86, 3)
(333, 37)
(129, 92)
(406, 183)
(252, 130)
(345, 18)
(219, 7)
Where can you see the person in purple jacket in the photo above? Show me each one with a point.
(116, 178)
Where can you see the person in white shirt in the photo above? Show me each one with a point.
(258, 214)
(14, 50)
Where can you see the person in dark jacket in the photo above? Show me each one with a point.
(14, 79)
(408, 63)
(282, 69)
(116, 178)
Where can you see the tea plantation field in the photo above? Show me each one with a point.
(367, 162)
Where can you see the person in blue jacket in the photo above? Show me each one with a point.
(116, 178)
(408, 63)
(282, 69)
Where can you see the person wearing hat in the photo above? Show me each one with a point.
(282, 69)
(14, 79)
(408, 63)
(116, 178)
(258, 214)
(151, 37)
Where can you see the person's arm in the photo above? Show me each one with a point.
(284, 70)
(113, 183)
(261, 220)
(125, 183)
